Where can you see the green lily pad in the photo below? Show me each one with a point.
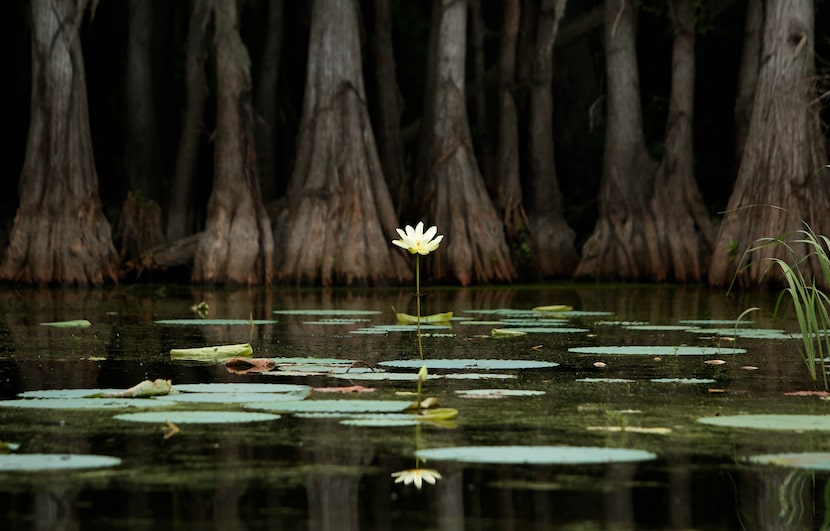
(535, 455)
(75, 323)
(80, 403)
(543, 321)
(464, 364)
(658, 328)
(214, 322)
(657, 350)
(748, 333)
(384, 376)
(390, 328)
(197, 417)
(545, 330)
(333, 406)
(242, 388)
(805, 460)
(381, 421)
(46, 462)
(212, 353)
(65, 393)
(796, 423)
(230, 398)
(714, 322)
(336, 321)
(604, 380)
(331, 311)
(496, 393)
(684, 380)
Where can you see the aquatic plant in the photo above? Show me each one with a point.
(810, 303)
(419, 243)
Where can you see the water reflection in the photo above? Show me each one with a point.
(316, 474)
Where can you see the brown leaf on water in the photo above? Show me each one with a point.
(344, 390)
(170, 429)
(807, 393)
(242, 365)
(714, 362)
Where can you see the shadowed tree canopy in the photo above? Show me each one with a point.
(782, 181)
(340, 223)
(60, 234)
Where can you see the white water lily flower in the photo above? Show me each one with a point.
(417, 476)
(417, 241)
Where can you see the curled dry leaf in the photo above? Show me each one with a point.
(599, 364)
(714, 362)
(749, 368)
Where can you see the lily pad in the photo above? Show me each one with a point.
(545, 330)
(535, 455)
(333, 406)
(230, 398)
(805, 460)
(747, 333)
(684, 380)
(604, 380)
(496, 393)
(381, 421)
(214, 322)
(65, 393)
(242, 388)
(658, 328)
(79, 403)
(197, 417)
(213, 353)
(715, 322)
(46, 462)
(330, 311)
(473, 364)
(405, 318)
(75, 323)
(796, 423)
(390, 328)
(658, 350)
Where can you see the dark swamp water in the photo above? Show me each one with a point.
(316, 472)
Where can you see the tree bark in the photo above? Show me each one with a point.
(390, 143)
(748, 74)
(141, 154)
(341, 220)
(553, 240)
(782, 180)
(60, 234)
(237, 244)
(684, 228)
(266, 101)
(509, 188)
(180, 217)
(449, 187)
(622, 243)
(483, 136)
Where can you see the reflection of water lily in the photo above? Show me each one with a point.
(417, 241)
(417, 476)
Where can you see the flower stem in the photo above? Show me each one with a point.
(418, 302)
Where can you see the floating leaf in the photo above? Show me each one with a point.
(405, 318)
(554, 308)
(604, 380)
(345, 390)
(535, 455)
(808, 393)
(44, 462)
(79, 403)
(197, 417)
(144, 389)
(746, 333)
(214, 322)
(214, 353)
(794, 423)
(437, 414)
(231, 398)
(7, 447)
(243, 365)
(804, 460)
(76, 323)
(657, 350)
(715, 322)
(631, 429)
(333, 406)
(464, 364)
(496, 393)
(64, 393)
(385, 329)
(381, 421)
(242, 388)
(684, 380)
(502, 333)
(331, 311)
(546, 330)
(658, 328)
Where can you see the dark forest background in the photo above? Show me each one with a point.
(579, 93)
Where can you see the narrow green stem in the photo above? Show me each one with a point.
(418, 304)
